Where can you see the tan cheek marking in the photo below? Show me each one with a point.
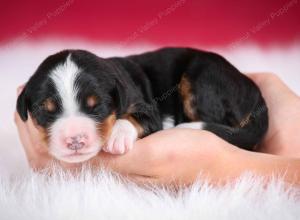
(136, 124)
(91, 101)
(106, 126)
(187, 98)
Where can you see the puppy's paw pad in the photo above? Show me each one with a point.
(122, 137)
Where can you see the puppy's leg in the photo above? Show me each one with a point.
(140, 121)
(122, 137)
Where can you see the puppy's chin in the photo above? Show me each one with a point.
(74, 157)
(77, 158)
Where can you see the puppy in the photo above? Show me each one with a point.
(82, 103)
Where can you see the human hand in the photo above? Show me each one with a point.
(284, 116)
(174, 156)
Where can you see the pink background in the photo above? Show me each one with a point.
(180, 22)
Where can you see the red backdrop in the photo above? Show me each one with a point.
(182, 22)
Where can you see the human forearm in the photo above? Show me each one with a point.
(265, 165)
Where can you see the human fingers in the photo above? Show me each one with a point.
(23, 131)
(24, 136)
(29, 137)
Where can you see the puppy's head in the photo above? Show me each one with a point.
(73, 98)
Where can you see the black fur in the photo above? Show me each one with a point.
(146, 87)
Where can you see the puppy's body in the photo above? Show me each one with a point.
(210, 90)
(93, 103)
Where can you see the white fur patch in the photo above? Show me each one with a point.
(192, 125)
(122, 137)
(64, 77)
(168, 122)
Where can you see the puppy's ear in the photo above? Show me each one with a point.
(22, 105)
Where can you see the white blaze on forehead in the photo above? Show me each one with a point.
(64, 78)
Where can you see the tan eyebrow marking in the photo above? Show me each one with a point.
(49, 105)
(92, 101)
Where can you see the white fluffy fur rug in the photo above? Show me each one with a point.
(61, 197)
(26, 195)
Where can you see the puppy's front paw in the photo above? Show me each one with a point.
(122, 137)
